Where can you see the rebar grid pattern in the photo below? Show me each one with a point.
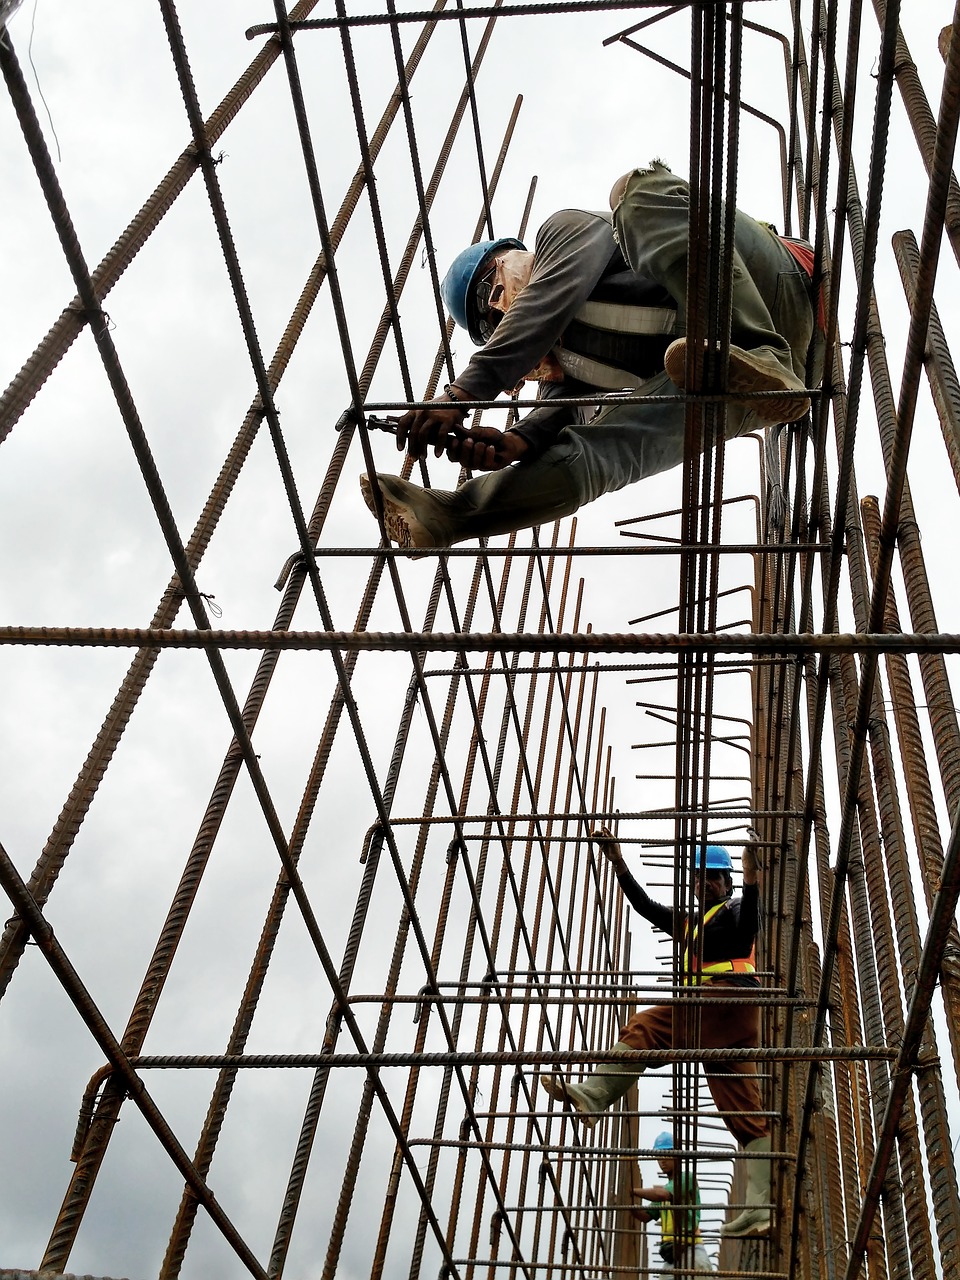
(378, 913)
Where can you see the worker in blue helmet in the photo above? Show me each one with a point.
(597, 307)
(716, 943)
(675, 1205)
(469, 289)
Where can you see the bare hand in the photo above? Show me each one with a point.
(608, 845)
(439, 423)
(486, 448)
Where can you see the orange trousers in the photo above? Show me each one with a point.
(723, 1025)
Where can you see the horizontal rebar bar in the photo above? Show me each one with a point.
(69, 979)
(529, 1057)
(667, 548)
(428, 15)
(480, 642)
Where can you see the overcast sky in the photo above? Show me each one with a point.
(81, 545)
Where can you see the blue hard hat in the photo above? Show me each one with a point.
(663, 1141)
(458, 289)
(714, 857)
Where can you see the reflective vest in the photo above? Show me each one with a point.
(692, 975)
(668, 1230)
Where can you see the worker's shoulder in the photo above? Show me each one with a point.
(576, 231)
(570, 218)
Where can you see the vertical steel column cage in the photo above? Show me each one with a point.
(380, 914)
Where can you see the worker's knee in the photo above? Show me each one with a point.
(653, 175)
(618, 189)
(747, 1129)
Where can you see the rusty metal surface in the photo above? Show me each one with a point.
(425, 924)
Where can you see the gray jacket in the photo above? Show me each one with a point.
(604, 325)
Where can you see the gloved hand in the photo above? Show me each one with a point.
(608, 845)
(751, 859)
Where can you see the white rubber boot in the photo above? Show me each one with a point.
(591, 1097)
(755, 1219)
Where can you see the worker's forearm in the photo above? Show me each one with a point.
(651, 1193)
(541, 427)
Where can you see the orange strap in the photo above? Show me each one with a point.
(742, 964)
(731, 966)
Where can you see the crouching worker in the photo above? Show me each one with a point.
(729, 927)
(675, 1205)
(597, 306)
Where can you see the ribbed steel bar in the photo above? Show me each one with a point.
(107, 1128)
(941, 919)
(522, 10)
(941, 1170)
(72, 319)
(783, 1053)
(525, 955)
(937, 689)
(651, 995)
(743, 106)
(938, 363)
(133, 1086)
(482, 642)
(293, 587)
(58, 845)
(889, 909)
(896, 471)
(923, 124)
(919, 793)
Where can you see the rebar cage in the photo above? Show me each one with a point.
(300, 825)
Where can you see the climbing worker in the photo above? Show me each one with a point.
(675, 1205)
(599, 306)
(729, 927)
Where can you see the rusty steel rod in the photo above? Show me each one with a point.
(481, 937)
(474, 642)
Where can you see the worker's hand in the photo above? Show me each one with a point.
(439, 423)
(486, 448)
(751, 863)
(608, 845)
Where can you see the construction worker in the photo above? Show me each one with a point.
(681, 1244)
(729, 927)
(598, 306)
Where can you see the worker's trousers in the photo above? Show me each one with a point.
(688, 1259)
(624, 443)
(723, 1024)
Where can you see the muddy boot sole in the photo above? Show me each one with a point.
(400, 519)
(748, 372)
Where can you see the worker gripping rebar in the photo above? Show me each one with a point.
(717, 948)
(676, 1206)
(597, 308)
